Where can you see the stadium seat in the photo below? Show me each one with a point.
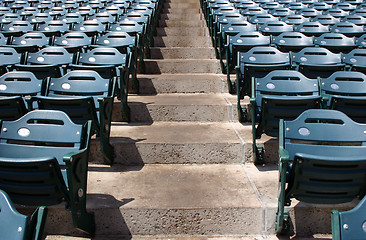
(47, 62)
(326, 20)
(292, 41)
(281, 12)
(241, 42)
(335, 42)
(347, 28)
(282, 94)
(92, 28)
(346, 92)
(356, 60)
(337, 13)
(262, 18)
(295, 19)
(257, 62)
(349, 224)
(29, 42)
(84, 95)
(354, 18)
(17, 226)
(8, 57)
(16, 28)
(73, 41)
(53, 28)
(321, 160)
(46, 163)
(311, 29)
(361, 41)
(274, 28)
(316, 62)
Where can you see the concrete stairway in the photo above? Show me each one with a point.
(182, 164)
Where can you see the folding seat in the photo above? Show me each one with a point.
(309, 12)
(295, 19)
(292, 41)
(115, 11)
(73, 41)
(347, 28)
(92, 28)
(345, 6)
(296, 6)
(121, 4)
(57, 12)
(45, 5)
(84, 95)
(245, 4)
(29, 11)
(8, 57)
(312, 28)
(109, 63)
(70, 5)
(361, 41)
(337, 13)
(39, 18)
(257, 62)
(15, 88)
(282, 94)
(96, 5)
(356, 19)
(29, 42)
(321, 160)
(271, 6)
(361, 12)
(3, 40)
(353, 2)
(19, 5)
(9, 17)
(105, 18)
(275, 28)
(331, 2)
(335, 42)
(346, 92)
(252, 11)
(320, 6)
(356, 60)
(326, 19)
(349, 224)
(241, 43)
(16, 28)
(286, 1)
(316, 62)
(4, 10)
(261, 19)
(44, 162)
(281, 12)
(48, 62)
(17, 226)
(72, 18)
(85, 11)
(232, 29)
(53, 28)
(309, 2)
(128, 46)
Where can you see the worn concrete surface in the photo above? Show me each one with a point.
(178, 52)
(158, 66)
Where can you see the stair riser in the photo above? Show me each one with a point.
(174, 11)
(127, 152)
(177, 23)
(119, 221)
(180, 31)
(175, 5)
(182, 17)
(188, 41)
(171, 66)
(183, 53)
(188, 84)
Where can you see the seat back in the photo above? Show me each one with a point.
(327, 154)
(335, 42)
(292, 41)
(346, 92)
(8, 57)
(117, 39)
(262, 18)
(54, 27)
(32, 151)
(326, 20)
(31, 41)
(18, 83)
(312, 28)
(281, 12)
(354, 18)
(12, 108)
(90, 27)
(356, 59)
(275, 28)
(347, 28)
(349, 224)
(283, 94)
(337, 13)
(14, 224)
(73, 41)
(16, 28)
(295, 19)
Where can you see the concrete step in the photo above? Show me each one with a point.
(167, 200)
(186, 41)
(189, 5)
(181, 107)
(180, 23)
(182, 52)
(185, 200)
(182, 31)
(177, 143)
(181, 10)
(182, 83)
(182, 16)
(157, 66)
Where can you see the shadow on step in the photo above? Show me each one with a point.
(147, 86)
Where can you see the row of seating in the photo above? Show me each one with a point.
(54, 98)
(302, 95)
